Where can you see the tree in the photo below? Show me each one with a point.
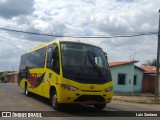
(150, 63)
(1, 76)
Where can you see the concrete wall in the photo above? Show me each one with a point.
(11, 77)
(130, 71)
(125, 69)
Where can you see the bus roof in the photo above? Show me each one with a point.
(57, 41)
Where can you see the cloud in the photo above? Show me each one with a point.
(11, 50)
(81, 18)
(12, 8)
(29, 24)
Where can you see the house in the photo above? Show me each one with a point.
(149, 76)
(11, 77)
(127, 78)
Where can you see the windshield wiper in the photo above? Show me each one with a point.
(97, 69)
(82, 65)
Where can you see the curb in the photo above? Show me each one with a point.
(136, 99)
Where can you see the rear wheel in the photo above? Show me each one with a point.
(26, 92)
(54, 103)
(100, 106)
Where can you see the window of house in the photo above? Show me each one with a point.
(121, 79)
(135, 80)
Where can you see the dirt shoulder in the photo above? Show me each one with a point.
(137, 99)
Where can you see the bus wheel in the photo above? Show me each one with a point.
(54, 103)
(26, 92)
(100, 106)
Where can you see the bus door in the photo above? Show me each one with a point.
(53, 69)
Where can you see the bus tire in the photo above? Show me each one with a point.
(100, 106)
(26, 92)
(54, 103)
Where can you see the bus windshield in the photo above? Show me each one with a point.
(82, 62)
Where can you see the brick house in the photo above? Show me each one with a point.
(149, 76)
(11, 77)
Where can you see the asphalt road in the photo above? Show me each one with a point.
(13, 99)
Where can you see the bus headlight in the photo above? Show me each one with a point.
(68, 87)
(108, 89)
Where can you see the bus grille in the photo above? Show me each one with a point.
(96, 98)
(91, 90)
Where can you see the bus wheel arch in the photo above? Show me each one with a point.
(53, 98)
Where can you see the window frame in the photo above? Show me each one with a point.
(135, 80)
(124, 79)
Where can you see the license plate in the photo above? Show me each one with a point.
(89, 102)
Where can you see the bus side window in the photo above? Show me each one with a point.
(53, 58)
(55, 63)
(49, 57)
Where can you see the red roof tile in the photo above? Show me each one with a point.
(112, 64)
(138, 68)
(149, 69)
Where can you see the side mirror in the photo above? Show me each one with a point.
(105, 55)
(54, 53)
(54, 56)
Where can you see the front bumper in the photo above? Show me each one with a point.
(66, 96)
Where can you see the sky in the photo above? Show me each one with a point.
(79, 18)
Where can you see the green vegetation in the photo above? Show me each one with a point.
(150, 63)
(1, 76)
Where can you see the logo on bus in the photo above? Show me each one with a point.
(92, 87)
(33, 80)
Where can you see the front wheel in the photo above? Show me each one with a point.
(54, 103)
(100, 106)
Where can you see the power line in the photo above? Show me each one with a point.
(6, 29)
(113, 36)
(117, 36)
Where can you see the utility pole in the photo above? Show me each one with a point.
(157, 66)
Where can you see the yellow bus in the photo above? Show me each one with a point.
(67, 72)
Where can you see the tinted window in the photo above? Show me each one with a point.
(23, 62)
(53, 58)
(84, 63)
(49, 56)
(35, 59)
